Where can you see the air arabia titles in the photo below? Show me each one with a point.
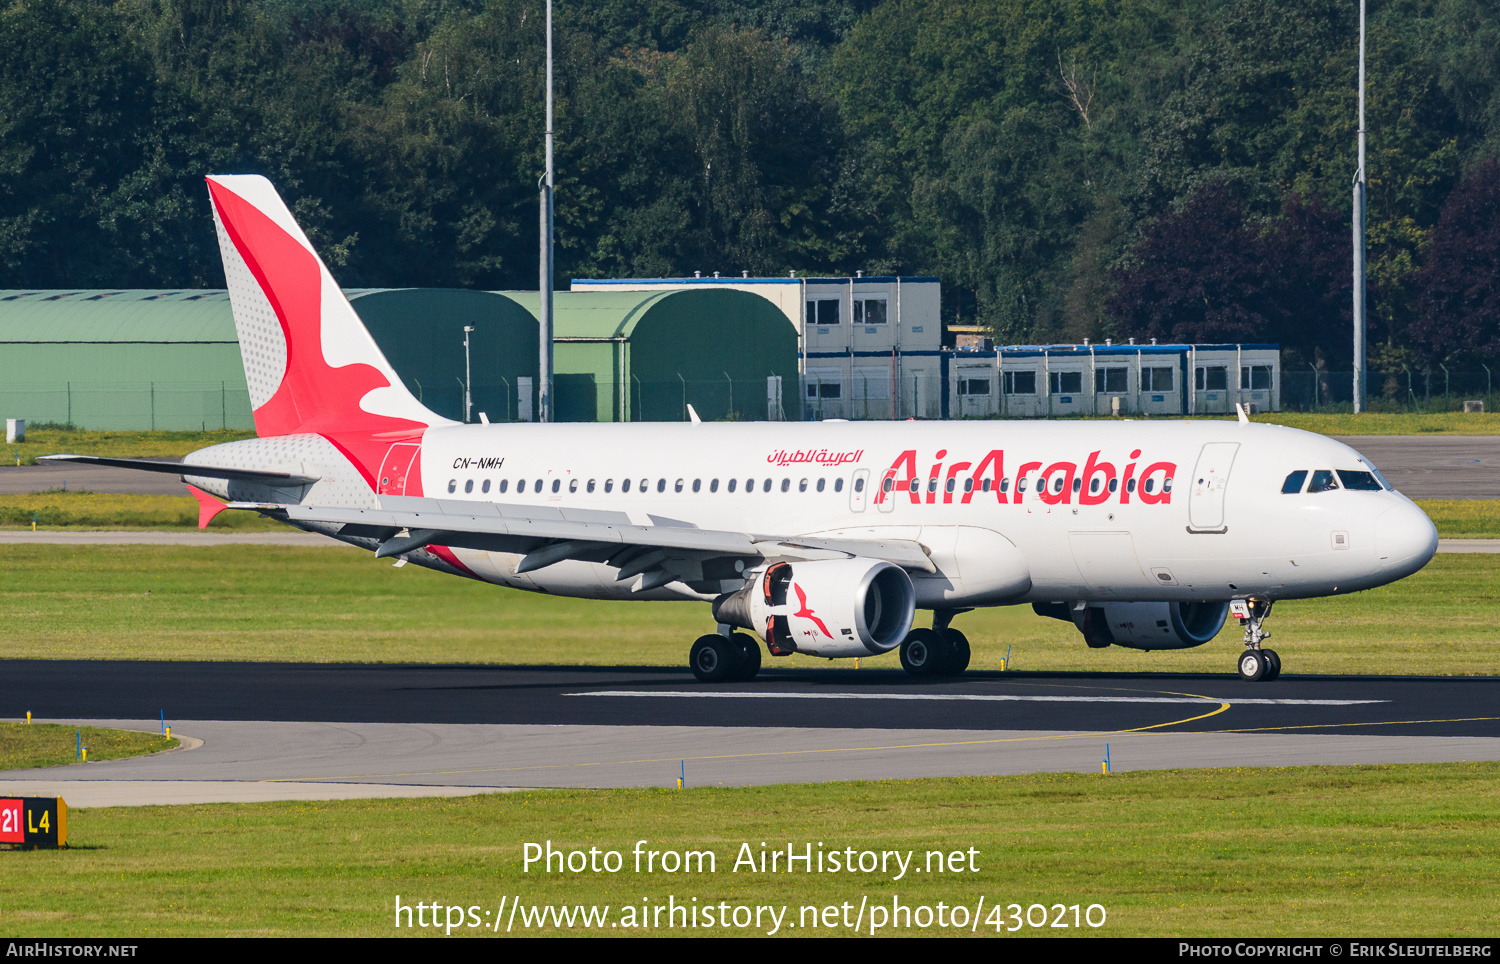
(1057, 483)
(815, 456)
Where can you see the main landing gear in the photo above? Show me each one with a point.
(939, 651)
(1256, 663)
(725, 659)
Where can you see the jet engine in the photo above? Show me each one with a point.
(1142, 625)
(836, 607)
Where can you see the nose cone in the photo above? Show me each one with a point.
(1405, 539)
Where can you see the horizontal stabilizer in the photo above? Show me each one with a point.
(180, 468)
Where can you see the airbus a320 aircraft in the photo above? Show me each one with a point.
(821, 538)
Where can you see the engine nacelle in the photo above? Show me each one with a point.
(836, 607)
(1142, 625)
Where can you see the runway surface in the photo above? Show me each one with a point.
(1421, 466)
(289, 731)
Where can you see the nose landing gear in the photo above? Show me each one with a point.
(1256, 664)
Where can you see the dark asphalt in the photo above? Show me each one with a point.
(1413, 706)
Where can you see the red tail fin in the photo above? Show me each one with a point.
(310, 364)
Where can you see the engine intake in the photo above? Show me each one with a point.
(837, 607)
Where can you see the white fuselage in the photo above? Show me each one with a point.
(1221, 528)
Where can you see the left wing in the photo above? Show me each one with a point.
(660, 553)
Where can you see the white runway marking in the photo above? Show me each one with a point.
(997, 698)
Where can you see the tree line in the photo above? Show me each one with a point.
(1178, 169)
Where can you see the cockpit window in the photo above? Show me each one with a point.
(1382, 479)
(1322, 481)
(1293, 483)
(1359, 481)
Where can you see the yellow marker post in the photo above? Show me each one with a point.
(169, 732)
(85, 754)
(28, 717)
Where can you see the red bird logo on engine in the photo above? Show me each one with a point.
(806, 613)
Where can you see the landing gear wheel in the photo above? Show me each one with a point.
(714, 659)
(749, 656)
(958, 652)
(923, 653)
(1253, 666)
(1273, 664)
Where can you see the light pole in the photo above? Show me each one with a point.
(544, 366)
(468, 396)
(1359, 233)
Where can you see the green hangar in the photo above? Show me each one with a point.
(141, 359)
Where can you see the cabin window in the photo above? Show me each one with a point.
(786, 485)
(1094, 485)
(820, 484)
(609, 485)
(504, 484)
(676, 486)
(624, 486)
(767, 486)
(732, 484)
(969, 484)
(697, 484)
(468, 486)
(538, 486)
(713, 485)
(952, 483)
(452, 485)
(885, 486)
(1114, 485)
(520, 486)
(590, 487)
(572, 485)
(556, 484)
(802, 486)
(485, 486)
(645, 484)
(661, 485)
(1130, 486)
(1077, 484)
(916, 485)
(932, 484)
(1150, 484)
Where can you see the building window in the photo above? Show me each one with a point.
(1255, 377)
(1112, 380)
(1018, 383)
(869, 310)
(1213, 379)
(1157, 379)
(823, 311)
(1065, 383)
(825, 383)
(970, 385)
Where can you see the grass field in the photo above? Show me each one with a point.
(122, 445)
(99, 510)
(25, 745)
(334, 605)
(1398, 850)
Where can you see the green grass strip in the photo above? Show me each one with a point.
(1339, 851)
(26, 745)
